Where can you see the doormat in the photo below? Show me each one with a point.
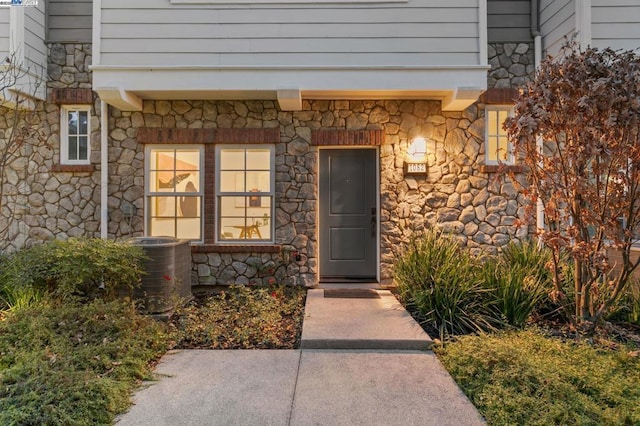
(353, 293)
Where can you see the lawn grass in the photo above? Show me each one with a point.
(527, 378)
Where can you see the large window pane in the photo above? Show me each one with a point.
(174, 192)
(245, 193)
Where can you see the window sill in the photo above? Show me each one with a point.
(236, 248)
(502, 168)
(73, 168)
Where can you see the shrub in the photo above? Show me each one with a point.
(69, 363)
(73, 268)
(516, 292)
(441, 281)
(528, 255)
(518, 279)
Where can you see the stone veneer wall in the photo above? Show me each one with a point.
(459, 196)
(42, 200)
(481, 209)
(512, 64)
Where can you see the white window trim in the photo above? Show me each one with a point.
(64, 134)
(510, 157)
(271, 193)
(148, 194)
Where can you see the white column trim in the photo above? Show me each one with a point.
(96, 42)
(583, 22)
(482, 32)
(104, 170)
(16, 35)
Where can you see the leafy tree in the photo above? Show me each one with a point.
(585, 106)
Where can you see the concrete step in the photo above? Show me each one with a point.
(348, 323)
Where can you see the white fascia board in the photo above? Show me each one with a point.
(313, 83)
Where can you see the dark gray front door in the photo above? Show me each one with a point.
(348, 214)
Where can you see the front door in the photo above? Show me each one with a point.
(348, 214)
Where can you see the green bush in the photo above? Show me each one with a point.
(73, 268)
(518, 279)
(441, 281)
(529, 256)
(516, 293)
(457, 294)
(67, 363)
(526, 378)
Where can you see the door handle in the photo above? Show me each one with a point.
(373, 222)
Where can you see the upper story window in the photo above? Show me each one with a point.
(174, 191)
(75, 131)
(498, 150)
(245, 189)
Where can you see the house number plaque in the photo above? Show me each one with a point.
(415, 168)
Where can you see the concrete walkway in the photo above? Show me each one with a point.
(340, 384)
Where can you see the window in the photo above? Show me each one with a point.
(245, 181)
(174, 191)
(497, 146)
(75, 131)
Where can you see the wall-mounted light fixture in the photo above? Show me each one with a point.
(416, 163)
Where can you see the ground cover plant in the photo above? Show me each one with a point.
(529, 378)
(71, 352)
(74, 363)
(241, 318)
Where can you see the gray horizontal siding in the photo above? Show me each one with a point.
(5, 29)
(70, 20)
(557, 23)
(509, 21)
(34, 34)
(419, 32)
(616, 24)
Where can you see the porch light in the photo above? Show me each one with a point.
(418, 149)
(417, 157)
